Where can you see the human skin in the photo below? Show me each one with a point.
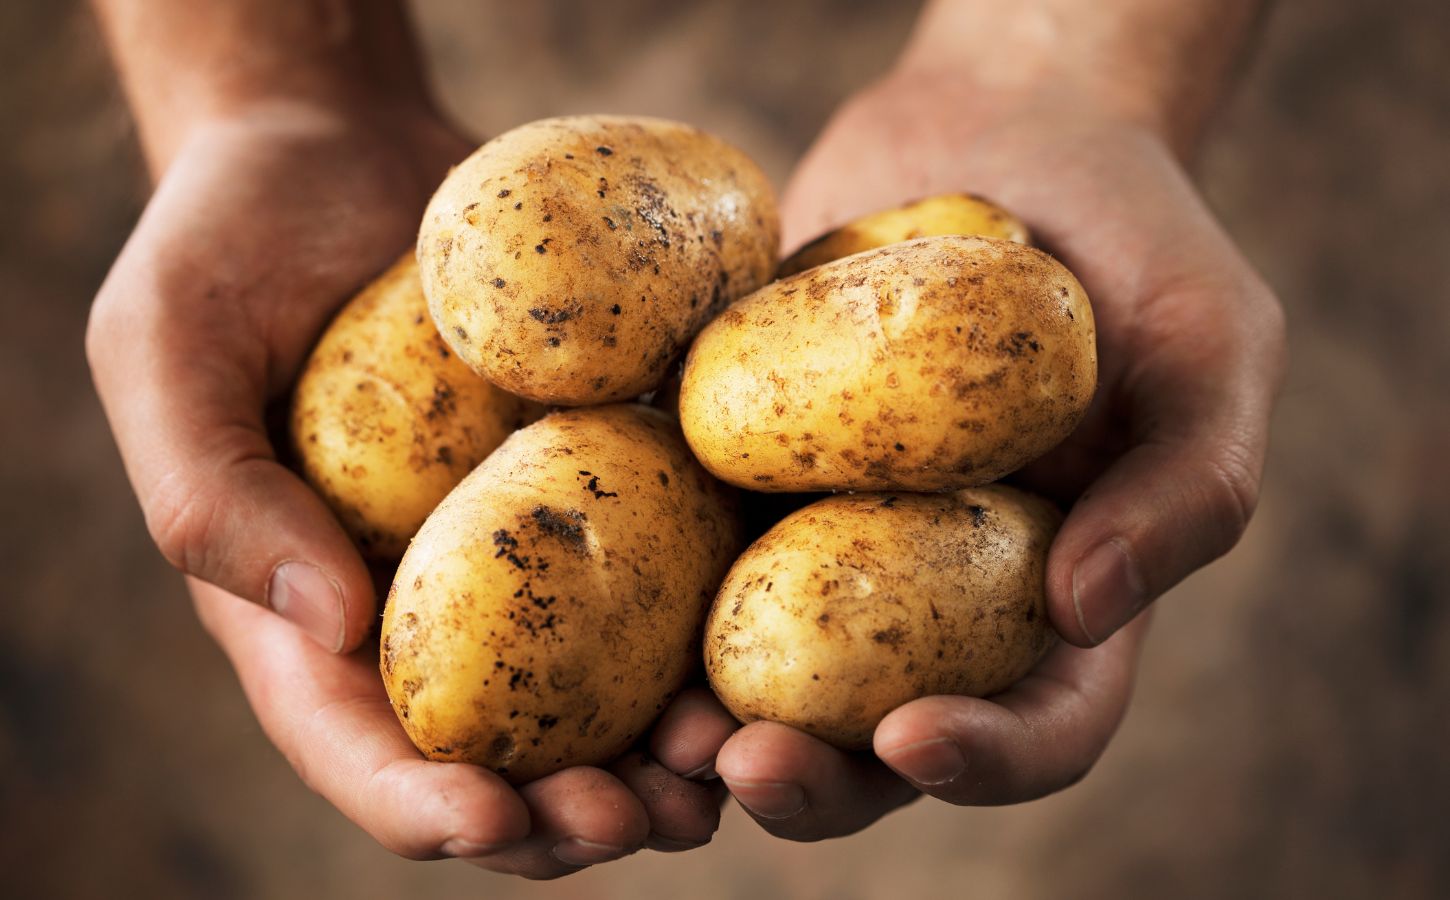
(267, 121)
(1079, 118)
(294, 147)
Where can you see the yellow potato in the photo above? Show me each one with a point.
(933, 216)
(386, 420)
(552, 604)
(571, 260)
(859, 603)
(934, 364)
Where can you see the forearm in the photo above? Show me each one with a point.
(183, 62)
(1162, 63)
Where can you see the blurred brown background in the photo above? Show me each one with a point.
(1290, 731)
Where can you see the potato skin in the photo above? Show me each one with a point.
(928, 217)
(859, 603)
(933, 364)
(386, 420)
(571, 260)
(552, 604)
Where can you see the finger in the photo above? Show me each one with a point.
(1040, 736)
(692, 730)
(582, 817)
(683, 814)
(183, 375)
(803, 789)
(1198, 400)
(330, 717)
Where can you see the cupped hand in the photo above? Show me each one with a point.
(1160, 478)
(1163, 474)
(265, 222)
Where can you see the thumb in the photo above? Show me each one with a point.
(184, 388)
(1182, 495)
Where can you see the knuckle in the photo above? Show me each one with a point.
(1276, 324)
(1267, 329)
(1230, 483)
(1271, 319)
(308, 740)
(1276, 334)
(181, 518)
(206, 614)
(100, 326)
(299, 763)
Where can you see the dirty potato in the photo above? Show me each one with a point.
(386, 420)
(571, 260)
(942, 214)
(859, 603)
(934, 364)
(551, 605)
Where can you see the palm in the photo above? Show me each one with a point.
(281, 223)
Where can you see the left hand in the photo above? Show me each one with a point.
(267, 219)
(1161, 476)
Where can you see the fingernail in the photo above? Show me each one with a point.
(1107, 590)
(936, 761)
(704, 773)
(579, 852)
(769, 799)
(463, 849)
(670, 845)
(303, 595)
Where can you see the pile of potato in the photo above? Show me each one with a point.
(564, 568)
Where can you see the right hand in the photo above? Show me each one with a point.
(1162, 474)
(267, 219)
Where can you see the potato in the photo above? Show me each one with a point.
(859, 603)
(934, 364)
(943, 214)
(552, 604)
(386, 420)
(571, 260)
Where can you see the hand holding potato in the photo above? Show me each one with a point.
(860, 603)
(1165, 464)
(300, 172)
(205, 320)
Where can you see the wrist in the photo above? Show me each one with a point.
(986, 102)
(200, 109)
(414, 126)
(1162, 69)
(186, 65)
